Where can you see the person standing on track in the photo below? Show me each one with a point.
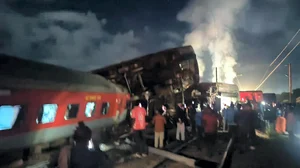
(138, 115)
(159, 125)
(280, 126)
(290, 123)
(192, 114)
(229, 115)
(181, 120)
(168, 125)
(245, 122)
(210, 124)
(198, 123)
(81, 154)
(253, 126)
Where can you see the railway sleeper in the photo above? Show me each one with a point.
(181, 155)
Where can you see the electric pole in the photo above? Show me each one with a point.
(216, 75)
(290, 83)
(217, 85)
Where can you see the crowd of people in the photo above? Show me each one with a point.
(240, 120)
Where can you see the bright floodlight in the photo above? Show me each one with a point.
(263, 103)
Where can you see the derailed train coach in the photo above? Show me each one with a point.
(41, 103)
(215, 94)
(158, 78)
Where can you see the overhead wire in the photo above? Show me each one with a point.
(279, 55)
(264, 74)
(285, 47)
(277, 66)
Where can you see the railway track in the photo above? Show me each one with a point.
(187, 155)
(175, 155)
(191, 156)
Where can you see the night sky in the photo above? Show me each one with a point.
(90, 34)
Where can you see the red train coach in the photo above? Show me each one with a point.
(40, 103)
(245, 95)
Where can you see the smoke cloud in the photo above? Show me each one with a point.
(211, 24)
(66, 38)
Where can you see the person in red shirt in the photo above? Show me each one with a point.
(138, 115)
(210, 124)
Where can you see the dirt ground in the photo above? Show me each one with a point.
(147, 162)
(276, 152)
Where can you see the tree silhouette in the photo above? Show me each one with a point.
(284, 96)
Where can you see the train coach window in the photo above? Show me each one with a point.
(72, 110)
(90, 109)
(47, 114)
(105, 108)
(11, 116)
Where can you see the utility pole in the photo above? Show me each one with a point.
(216, 75)
(216, 92)
(217, 85)
(290, 83)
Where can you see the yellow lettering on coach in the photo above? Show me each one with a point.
(91, 98)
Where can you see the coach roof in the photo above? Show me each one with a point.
(30, 74)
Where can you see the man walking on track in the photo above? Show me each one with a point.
(138, 115)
